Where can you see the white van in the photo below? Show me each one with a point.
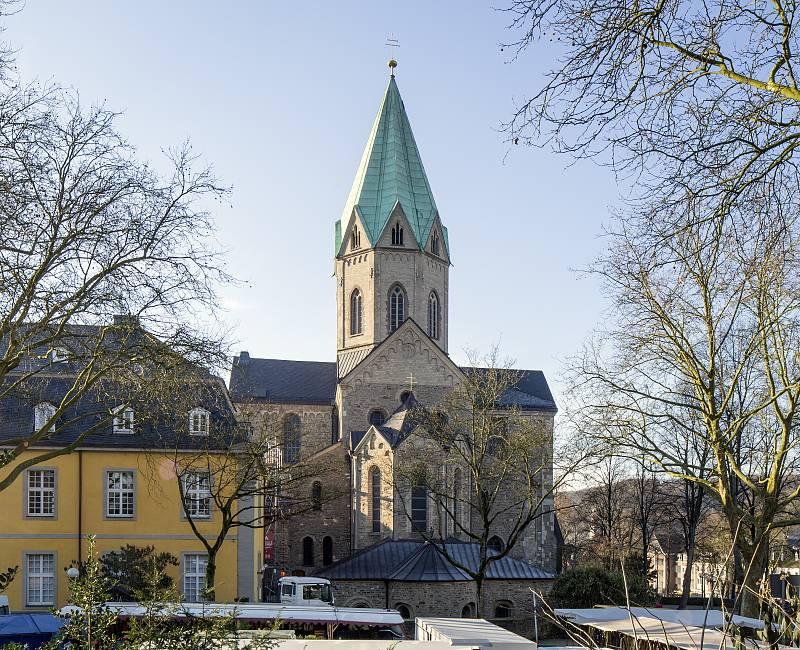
(295, 590)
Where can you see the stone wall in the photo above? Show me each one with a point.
(447, 599)
(315, 422)
(375, 272)
(331, 520)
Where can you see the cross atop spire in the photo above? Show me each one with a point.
(392, 42)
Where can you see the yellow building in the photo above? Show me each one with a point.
(121, 497)
(121, 484)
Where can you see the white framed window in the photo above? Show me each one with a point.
(43, 412)
(41, 493)
(123, 419)
(197, 494)
(120, 493)
(59, 355)
(194, 576)
(40, 579)
(199, 420)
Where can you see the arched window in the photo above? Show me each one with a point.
(435, 244)
(123, 419)
(308, 551)
(397, 234)
(404, 610)
(199, 421)
(334, 426)
(42, 412)
(503, 609)
(355, 239)
(316, 495)
(419, 509)
(327, 550)
(291, 439)
(468, 611)
(397, 308)
(375, 490)
(433, 315)
(377, 417)
(495, 544)
(456, 509)
(356, 312)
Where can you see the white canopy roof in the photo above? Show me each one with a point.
(267, 612)
(682, 629)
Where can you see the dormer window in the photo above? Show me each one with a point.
(397, 234)
(355, 239)
(42, 414)
(59, 355)
(199, 420)
(435, 244)
(123, 419)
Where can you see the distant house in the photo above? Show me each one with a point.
(668, 553)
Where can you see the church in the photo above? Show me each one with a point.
(392, 255)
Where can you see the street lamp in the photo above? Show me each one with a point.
(73, 572)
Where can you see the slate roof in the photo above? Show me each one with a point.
(391, 172)
(41, 379)
(17, 419)
(279, 380)
(416, 561)
(531, 391)
(314, 382)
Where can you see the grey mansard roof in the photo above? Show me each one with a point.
(416, 561)
(314, 382)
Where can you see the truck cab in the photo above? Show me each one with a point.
(297, 590)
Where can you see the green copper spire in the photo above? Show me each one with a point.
(391, 172)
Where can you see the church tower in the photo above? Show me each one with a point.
(392, 252)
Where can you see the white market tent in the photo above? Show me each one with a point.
(681, 629)
(325, 615)
(469, 632)
(692, 617)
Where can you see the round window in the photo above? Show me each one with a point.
(377, 417)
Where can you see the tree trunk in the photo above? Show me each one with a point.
(479, 597)
(211, 576)
(686, 587)
(755, 569)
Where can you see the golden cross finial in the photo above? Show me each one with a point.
(411, 382)
(392, 42)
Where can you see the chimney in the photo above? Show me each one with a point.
(244, 358)
(126, 320)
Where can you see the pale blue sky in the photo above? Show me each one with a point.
(280, 97)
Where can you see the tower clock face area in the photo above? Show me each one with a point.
(392, 251)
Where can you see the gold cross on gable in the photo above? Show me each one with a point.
(411, 382)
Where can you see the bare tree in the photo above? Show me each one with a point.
(604, 506)
(702, 343)
(495, 470)
(688, 97)
(232, 479)
(88, 232)
(648, 508)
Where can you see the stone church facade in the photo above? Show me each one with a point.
(392, 265)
